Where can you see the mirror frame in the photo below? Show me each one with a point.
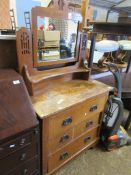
(52, 13)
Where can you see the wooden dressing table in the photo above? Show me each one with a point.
(68, 103)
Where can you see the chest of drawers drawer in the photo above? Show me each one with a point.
(59, 157)
(60, 141)
(31, 167)
(18, 158)
(86, 125)
(19, 143)
(68, 118)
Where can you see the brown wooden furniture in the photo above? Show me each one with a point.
(71, 114)
(68, 103)
(8, 55)
(19, 128)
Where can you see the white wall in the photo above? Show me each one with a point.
(13, 6)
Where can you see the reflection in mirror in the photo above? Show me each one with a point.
(56, 38)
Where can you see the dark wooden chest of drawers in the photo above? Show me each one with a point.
(19, 128)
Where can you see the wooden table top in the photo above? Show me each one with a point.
(65, 95)
(126, 82)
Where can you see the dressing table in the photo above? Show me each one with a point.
(68, 103)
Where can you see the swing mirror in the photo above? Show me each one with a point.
(56, 39)
(54, 36)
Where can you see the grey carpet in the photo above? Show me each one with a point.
(99, 162)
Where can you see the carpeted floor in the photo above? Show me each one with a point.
(99, 162)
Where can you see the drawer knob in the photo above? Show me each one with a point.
(64, 138)
(89, 124)
(25, 171)
(67, 121)
(93, 108)
(87, 139)
(64, 156)
(23, 157)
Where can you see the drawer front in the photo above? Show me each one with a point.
(68, 151)
(19, 142)
(18, 158)
(60, 141)
(31, 167)
(94, 106)
(88, 124)
(66, 119)
(63, 121)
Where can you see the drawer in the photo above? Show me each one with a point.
(66, 119)
(31, 167)
(94, 106)
(63, 121)
(88, 124)
(18, 143)
(68, 151)
(60, 141)
(18, 158)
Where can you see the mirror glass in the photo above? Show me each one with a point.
(56, 38)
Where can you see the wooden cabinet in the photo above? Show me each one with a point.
(19, 128)
(73, 122)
